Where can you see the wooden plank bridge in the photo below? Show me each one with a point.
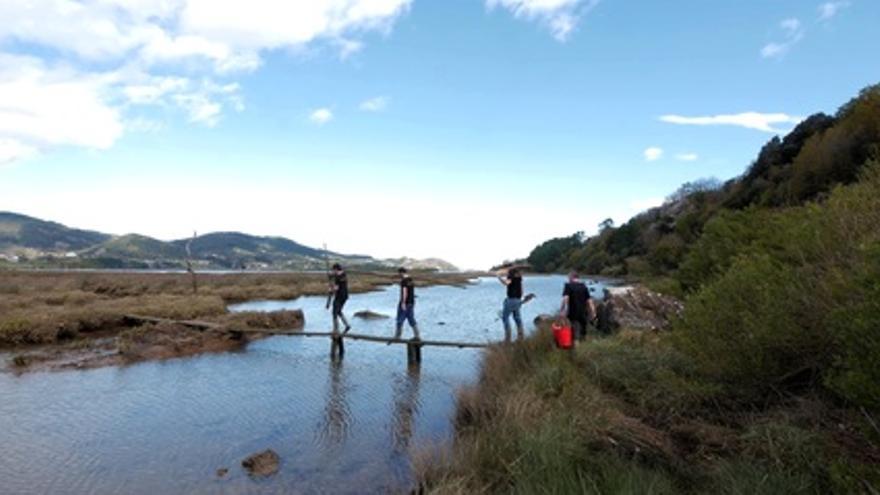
(337, 346)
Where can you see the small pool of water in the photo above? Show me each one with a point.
(166, 427)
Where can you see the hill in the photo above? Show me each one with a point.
(27, 234)
(434, 264)
(28, 241)
(821, 153)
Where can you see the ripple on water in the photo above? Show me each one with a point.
(166, 427)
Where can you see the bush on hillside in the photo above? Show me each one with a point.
(790, 300)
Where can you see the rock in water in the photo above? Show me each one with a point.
(264, 463)
(370, 315)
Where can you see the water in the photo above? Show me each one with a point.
(166, 427)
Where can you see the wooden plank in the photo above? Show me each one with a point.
(426, 343)
(376, 338)
(206, 325)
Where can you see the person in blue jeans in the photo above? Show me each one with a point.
(406, 305)
(513, 303)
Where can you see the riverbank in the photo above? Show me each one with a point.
(61, 320)
(630, 413)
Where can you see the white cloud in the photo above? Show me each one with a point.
(828, 10)
(559, 16)
(348, 48)
(321, 116)
(12, 150)
(653, 153)
(172, 53)
(749, 120)
(687, 157)
(228, 33)
(43, 106)
(791, 26)
(794, 33)
(144, 125)
(376, 104)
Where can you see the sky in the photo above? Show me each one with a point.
(470, 130)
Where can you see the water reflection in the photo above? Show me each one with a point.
(406, 408)
(339, 427)
(337, 418)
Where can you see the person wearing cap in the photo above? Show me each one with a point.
(513, 303)
(339, 289)
(577, 305)
(406, 305)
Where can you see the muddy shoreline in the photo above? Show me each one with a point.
(55, 321)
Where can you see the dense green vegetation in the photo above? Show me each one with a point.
(633, 414)
(819, 154)
(769, 382)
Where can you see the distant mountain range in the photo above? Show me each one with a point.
(31, 242)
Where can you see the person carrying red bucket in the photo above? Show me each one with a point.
(577, 307)
(562, 334)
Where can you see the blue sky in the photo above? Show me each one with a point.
(464, 129)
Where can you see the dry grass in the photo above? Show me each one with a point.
(48, 307)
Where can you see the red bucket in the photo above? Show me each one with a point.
(562, 335)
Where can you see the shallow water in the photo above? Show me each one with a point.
(166, 427)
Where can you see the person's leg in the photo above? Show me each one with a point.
(336, 312)
(401, 317)
(516, 309)
(342, 316)
(411, 316)
(577, 329)
(505, 317)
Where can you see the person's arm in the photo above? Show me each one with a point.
(592, 309)
(403, 295)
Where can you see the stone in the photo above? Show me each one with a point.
(264, 463)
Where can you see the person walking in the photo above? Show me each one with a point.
(512, 303)
(406, 305)
(577, 305)
(339, 289)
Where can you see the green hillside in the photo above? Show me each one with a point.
(30, 242)
(24, 232)
(135, 247)
(819, 154)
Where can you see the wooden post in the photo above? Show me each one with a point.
(337, 347)
(189, 265)
(413, 353)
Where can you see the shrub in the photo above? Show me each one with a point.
(747, 331)
(856, 327)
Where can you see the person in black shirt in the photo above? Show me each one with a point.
(406, 305)
(577, 305)
(513, 303)
(339, 289)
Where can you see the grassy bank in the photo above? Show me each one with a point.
(46, 307)
(631, 414)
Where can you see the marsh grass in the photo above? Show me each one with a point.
(49, 307)
(629, 414)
